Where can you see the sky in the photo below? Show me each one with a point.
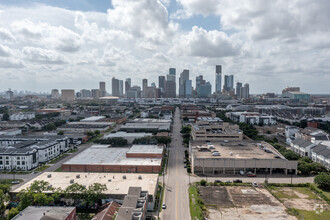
(47, 44)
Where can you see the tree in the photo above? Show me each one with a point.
(50, 127)
(60, 133)
(323, 181)
(304, 168)
(163, 140)
(94, 193)
(12, 213)
(290, 155)
(97, 132)
(75, 191)
(203, 182)
(3, 200)
(317, 167)
(185, 130)
(5, 117)
(41, 199)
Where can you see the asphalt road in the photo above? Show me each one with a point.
(176, 194)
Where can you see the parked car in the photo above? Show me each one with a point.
(237, 181)
(164, 206)
(251, 175)
(15, 182)
(254, 184)
(241, 172)
(228, 181)
(217, 181)
(185, 166)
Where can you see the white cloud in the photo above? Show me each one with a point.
(146, 19)
(8, 62)
(202, 43)
(43, 56)
(6, 35)
(5, 51)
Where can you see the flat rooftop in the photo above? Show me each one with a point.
(105, 155)
(93, 118)
(127, 135)
(38, 212)
(236, 150)
(116, 186)
(146, 149)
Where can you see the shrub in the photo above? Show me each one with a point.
(323, 181)
(203, 182)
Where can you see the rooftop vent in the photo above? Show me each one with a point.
(78, 176)
(72, 181)
(124, 177)
(140, 177)
(49, 175)
(109, 180)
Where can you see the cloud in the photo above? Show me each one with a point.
(147, 19)
(39, 55)
(6, 35)
(5, 51)
(8, 62)
(202, 43)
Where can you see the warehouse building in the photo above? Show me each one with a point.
(236, 156)
(47, 212)
(147, 125)
(128, 136)
(103, 158)
(118, 184)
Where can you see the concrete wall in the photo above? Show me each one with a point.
(111, 168)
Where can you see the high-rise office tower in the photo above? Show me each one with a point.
(144, 87)
(161, 82)
(121, 88)
(238, 90)
(188, 89)
(184, 76)
(102, 89)
(153, 84)
(204, 90)
(172, 71)
(55, 94)
(67, 95)
(218, 76)
(229, 83)
(96, 93)
(199, 80)
(85, 93)
(115, 86)
(9, 95)
(128, 84)
(245, 91)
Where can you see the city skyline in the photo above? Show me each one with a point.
(76, 44)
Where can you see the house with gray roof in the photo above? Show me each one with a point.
(321, 154)
(302, 147)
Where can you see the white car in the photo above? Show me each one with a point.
(164, 206)
(254, 184)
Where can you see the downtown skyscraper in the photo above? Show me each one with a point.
(218, 77)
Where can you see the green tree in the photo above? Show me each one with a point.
(3, 200)
(323, 181)
(203, 182)
(185, 130)
(41, 199)
(290, 155)
(163, 140)
(317, 167)
(94, 193)
(97, 132)
(304, 168)
(12, 213)
(5, 117)
(75, 191)
(60, 133)
(50, 127)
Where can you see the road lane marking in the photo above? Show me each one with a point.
(176, 185)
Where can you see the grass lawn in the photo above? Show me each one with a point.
(282, 194)
(195, 203)
(73, 150)
(41, 168)
(55, 160)
(326, 193)
(311, 215)
(58, 169)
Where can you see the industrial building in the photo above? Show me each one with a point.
(147, 125)
(118, 184)
(215, 131)
(103, 158)
(236, 156)
(47, 212)
(128, 136)
(83, 126)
